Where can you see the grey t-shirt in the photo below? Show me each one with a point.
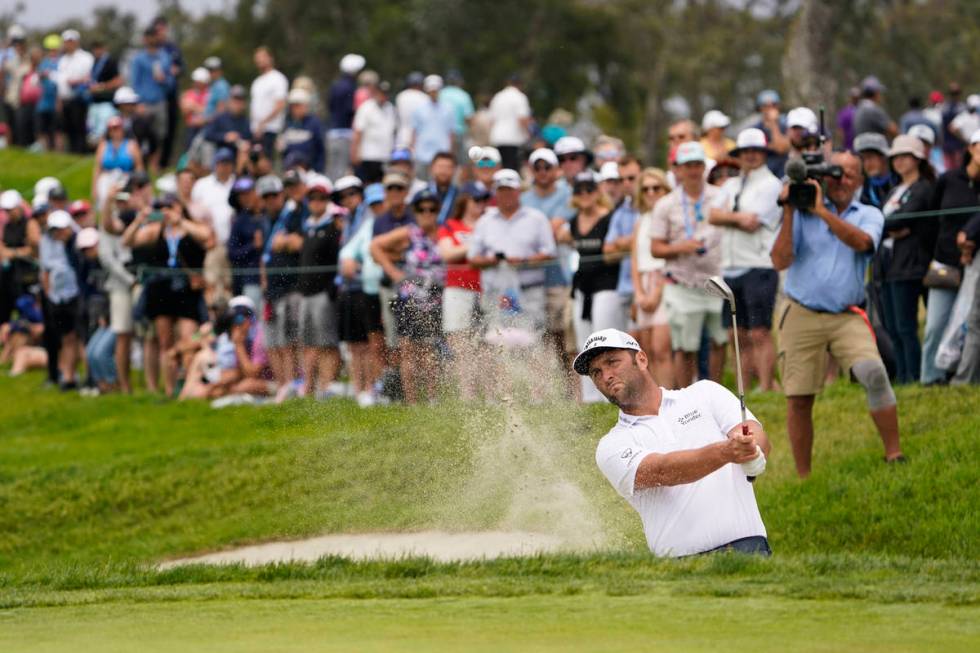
(525, 234)
(870, 117)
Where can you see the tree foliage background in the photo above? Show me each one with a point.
(635, 54)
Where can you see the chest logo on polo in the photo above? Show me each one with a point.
(687, 418)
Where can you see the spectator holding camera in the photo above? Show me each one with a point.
(682, 234)
(749, 227)
(826, 250)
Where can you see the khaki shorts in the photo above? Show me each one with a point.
(217, 269)
(689, 312)
(805, 338)
(558, 309)
(121, 311)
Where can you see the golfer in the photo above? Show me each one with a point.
(679, 457)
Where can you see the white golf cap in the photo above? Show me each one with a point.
(39, 202)
(201, 75)
(87, 237)
(802, 117)
(318, 183)
(489, 153)
(923, 132)
(16, 32)
(507, 178)
(45, 185)
(351, 64)
(10, 199)
(543, 154)
(975, 137)
(125, 95)
(609, 171)
(432, 83)
(973, 101)
(690, 152)
(167, 184)
(241, 301)
(347, 182)
(569, 145)
(71, 35)
(599, 342)
(59, 220)
(298, 96)
(715, 119)
(212, 63)
(750, 139)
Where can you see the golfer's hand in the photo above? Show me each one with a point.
(741, 449)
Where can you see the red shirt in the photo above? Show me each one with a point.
(458, 276)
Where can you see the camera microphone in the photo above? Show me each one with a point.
(796, 170)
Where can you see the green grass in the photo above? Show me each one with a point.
(92, 490)
(19, 169)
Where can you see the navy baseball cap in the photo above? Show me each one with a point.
(476, 190)
(224, 155)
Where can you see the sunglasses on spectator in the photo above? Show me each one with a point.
(426, 208)
(584, 188)
(396, 187)
(486, 163)
(657, 188)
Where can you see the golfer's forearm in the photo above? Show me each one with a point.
(680, 467)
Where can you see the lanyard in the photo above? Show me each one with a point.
(173, 243)
(447, 203)
(691, 224)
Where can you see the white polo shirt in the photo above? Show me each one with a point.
(757, 192)
(695, 517)
(268, 89)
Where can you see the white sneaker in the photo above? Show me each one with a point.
(365, 399)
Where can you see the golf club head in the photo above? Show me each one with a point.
(717, 287)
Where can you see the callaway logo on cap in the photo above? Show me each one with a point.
(599, 342)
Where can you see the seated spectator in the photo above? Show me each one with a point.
(21, 338)
(410, 257)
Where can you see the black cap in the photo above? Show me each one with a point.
(291, 178)
(139, 179)
(58, 193)
(426, 195)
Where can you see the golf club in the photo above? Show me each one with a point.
(717, 287)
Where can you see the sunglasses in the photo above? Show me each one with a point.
(654, 189)
(426, 209)
(486, 163)
(396, 187)
(584, 189)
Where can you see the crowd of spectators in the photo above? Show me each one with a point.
(390, 238)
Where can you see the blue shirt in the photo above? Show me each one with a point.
(826, 274)
(340, 103)
(49, 87)
(219, 91)
(461, 104)
(433, 123)
(556, 205)
(305, 137)
(63, 283)
(621, 224)
(144, 83)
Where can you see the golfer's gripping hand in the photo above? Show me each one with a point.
(742, 448)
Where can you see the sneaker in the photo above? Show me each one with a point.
(326, 395)
(365, 399)
(286, 392)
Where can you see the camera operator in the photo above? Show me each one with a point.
(826, 250)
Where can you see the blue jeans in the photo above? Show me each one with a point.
(900, 309)
(100, 355)
(938, 309)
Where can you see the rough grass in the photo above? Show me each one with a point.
(19, 169)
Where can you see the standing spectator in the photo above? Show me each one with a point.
(136, 122)
(176, 70)
(713, 125)
(116, 156)
(340, 105)
(957, 188)
(511, 236)
(212, 192)
(401, 162)
(48, 116)
(246, 240)
(454, 95)
(682, 235)
(193, 104)
(174, 299)
(374, 135)
(967, 121)
(968, 369)
(432, 127)
(407, 103)
(870, 116)
(927, 135)
(749, 224)
(845, 118)
(622, 225)
(953, 145)
(106, 78)
(150, 77)
(231, 128)
(419, 281)
(268, 94)
(303, 133)
(30, 95)
(803, 131)
(461, 313)
(914, 115)
(219, 90)
(573, 157)
(19, 239)
(318, 329)
(16, 65)
(652, 324)
(398, 214)
(510, 115)
(905, 253)
(442, 173)
(597, 304)
(878, 177)
(117, 261)
(486, 166)
(773, 124)
(826, 251)
(94, 333)
(60, 284)
(73, 76)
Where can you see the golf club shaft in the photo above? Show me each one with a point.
(738, 377)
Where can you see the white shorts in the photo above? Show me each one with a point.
(689, 312)
(121, 311)
(460, 309)
(610, 310)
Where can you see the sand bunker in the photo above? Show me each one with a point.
(437, 545)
